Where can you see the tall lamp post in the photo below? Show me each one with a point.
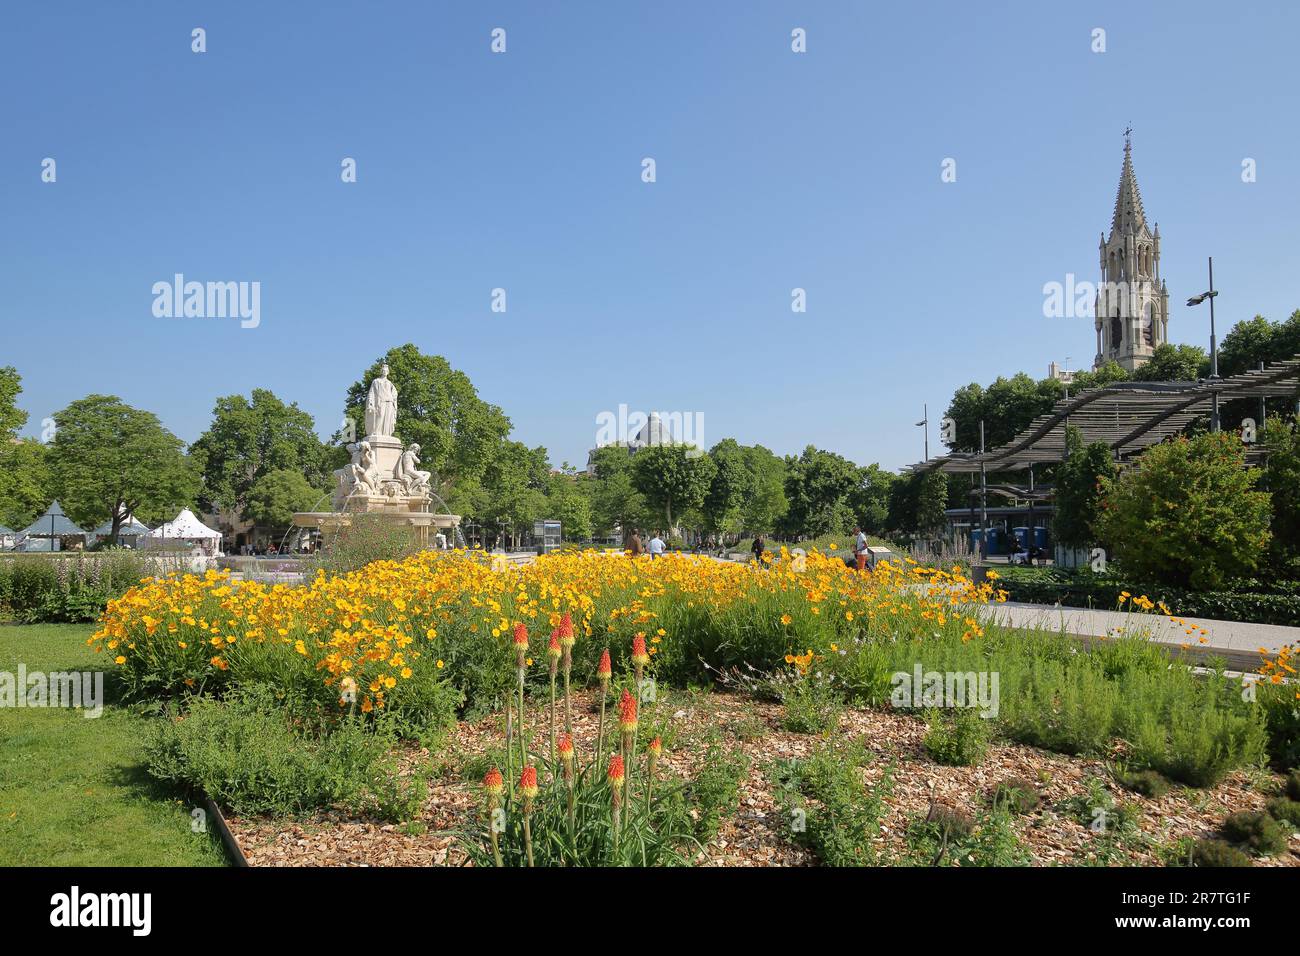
(1214, 345)
(925, 423)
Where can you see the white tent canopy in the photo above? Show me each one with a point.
(130, 528)
(185, 527)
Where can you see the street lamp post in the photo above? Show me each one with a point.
(1214, 346)
(925, 423)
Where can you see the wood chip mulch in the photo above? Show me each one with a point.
(756, 832)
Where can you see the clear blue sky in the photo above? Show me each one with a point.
(522, 171)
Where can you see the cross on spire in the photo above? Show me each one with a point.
(1128, 136)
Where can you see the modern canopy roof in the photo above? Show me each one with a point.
(1127, 416)
(53, 524)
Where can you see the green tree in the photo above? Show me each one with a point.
(1174, 363)
(819, 486)
(25, 487)
(1188, 514)
(24, 473)
(109, 460)
(732, 485)
(870, 499)
(12, 417)
(1281, 442)
(438, 407)
(615, 500)
(1078, 495)
(673, 478)
(931, 502)
(277, 496)
(570, 503)
(250, 439)
(767, 504)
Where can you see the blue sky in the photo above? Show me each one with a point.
(522, 171)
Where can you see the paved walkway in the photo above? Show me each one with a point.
(1229, 636)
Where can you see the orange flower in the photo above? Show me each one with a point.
(566, 630)
(553, 646)
(493, 784)
(565, 748)
(639, 656)
(603, 670)
(656, 747)
(521, 635)
(627, 713)
(528, 783)
(615, 774)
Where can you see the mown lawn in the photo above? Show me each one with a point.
(74, 791)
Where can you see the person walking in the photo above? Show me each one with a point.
(859, 547)
(656, 546)
(758, 548)
(634, 544)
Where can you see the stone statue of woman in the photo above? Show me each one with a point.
(381, 406)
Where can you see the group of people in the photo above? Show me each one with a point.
(655, 547)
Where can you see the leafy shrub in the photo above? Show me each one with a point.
(68, 587)
(843, 817)
(1216, 853)
(1188, 513)
(953, 835)
(713, 793)
(1017, 795)
(1285, 811)
(1198, 742)
(812, 705)
(248, 754)
(1148, 783)
(1257, 831)
(958, 737)
(367, 539)
(1282, 723)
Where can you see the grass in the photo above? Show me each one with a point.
(74, 791)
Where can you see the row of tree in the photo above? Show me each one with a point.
(261, 460)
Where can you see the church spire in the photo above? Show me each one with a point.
(1129, 216)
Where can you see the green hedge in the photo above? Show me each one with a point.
(66, 588)
(1250, 600)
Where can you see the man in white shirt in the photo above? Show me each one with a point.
(656, 546)
(860, 547)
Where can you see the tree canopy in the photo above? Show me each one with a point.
(109, 460)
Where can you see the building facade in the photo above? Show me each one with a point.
(1132, 305)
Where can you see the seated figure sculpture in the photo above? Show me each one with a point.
(412, 478)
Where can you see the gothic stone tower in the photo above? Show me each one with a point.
(1132, 307)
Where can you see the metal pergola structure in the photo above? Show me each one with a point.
(1128, 416)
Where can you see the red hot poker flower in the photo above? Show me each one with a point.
(656, 747)
(565, 748)
(604, 670)
(566, 630)
(528, 782)
(521, 635)
(639, 655)
(553, 646)
(615, 774)
(627, 713)
(493, 783)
